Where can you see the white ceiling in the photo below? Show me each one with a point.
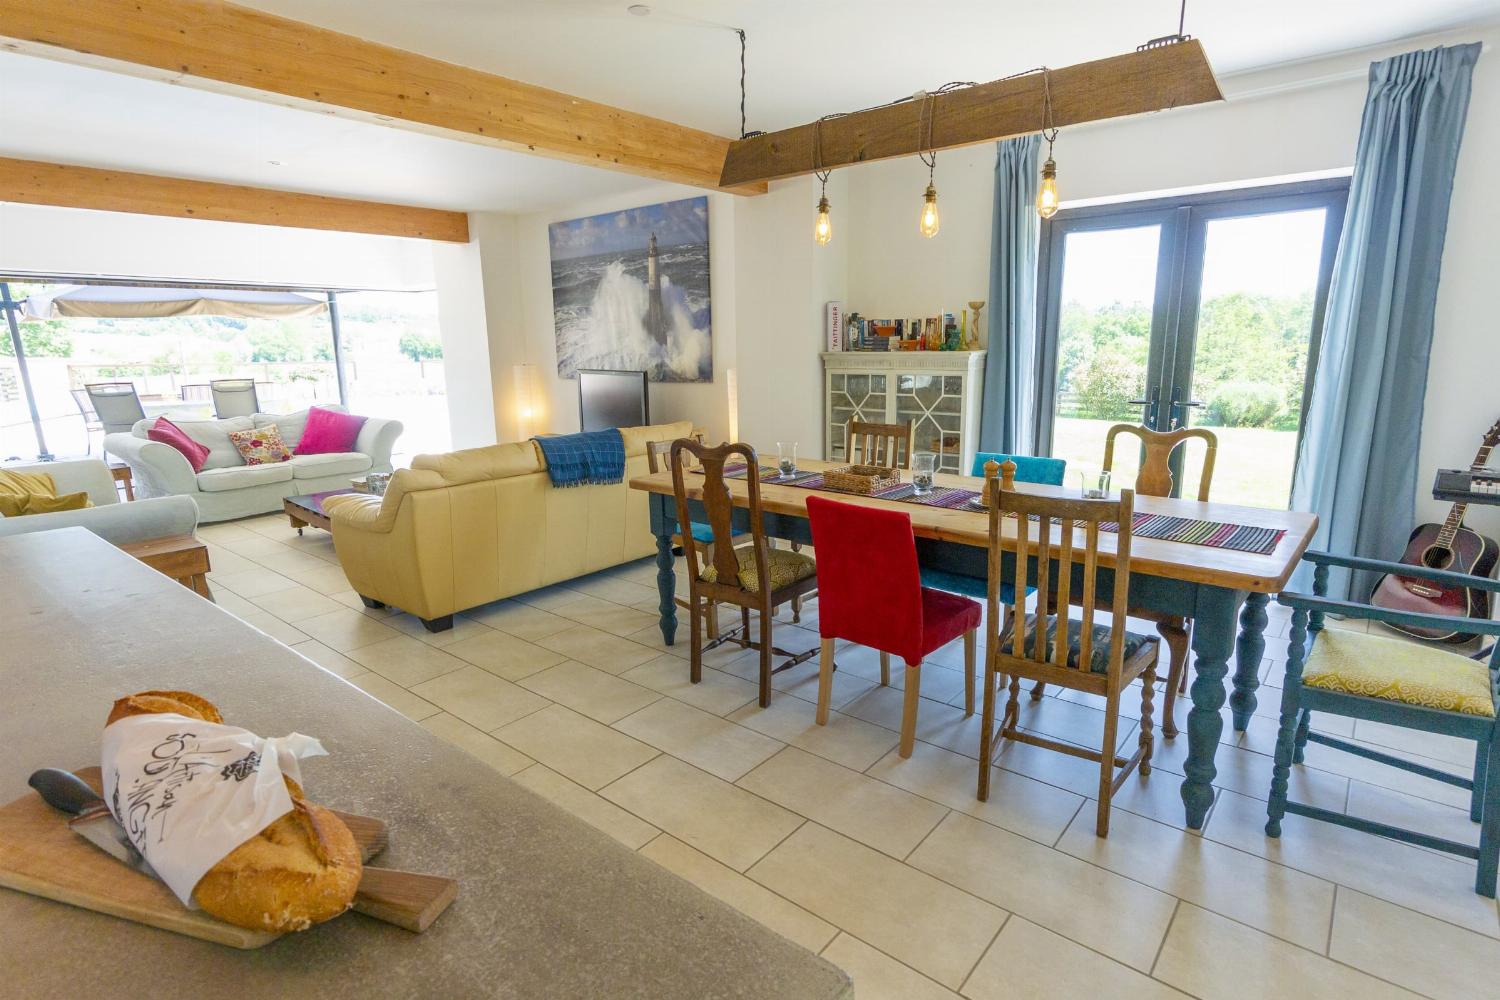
(806, 58)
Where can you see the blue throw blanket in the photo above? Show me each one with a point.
(594, 458)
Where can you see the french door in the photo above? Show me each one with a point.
(1201, 310)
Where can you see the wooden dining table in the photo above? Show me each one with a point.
(1224, 591)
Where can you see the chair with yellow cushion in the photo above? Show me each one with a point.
(753, 576)
(1398, 682)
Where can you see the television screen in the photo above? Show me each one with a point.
(612, 399)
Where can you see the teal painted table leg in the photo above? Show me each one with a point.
(663, 526)
(1249, 651)
(1213, 643)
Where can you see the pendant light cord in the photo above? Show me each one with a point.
(741, 33)
(927, 109)
(1049, 120)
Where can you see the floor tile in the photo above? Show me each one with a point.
(1271, 897)
(1406, 948)
(477, 743)
(911, 916)
(1113, 915)
(504, 655)
(703, 740)
(607, 652)
(1435, 745)
(939, 724)
(845, 740)
(254, 582)
(274, 627)
(1399, 809)
(588, 752)
(1028, 962)
(480, 698)
(294, 604)
(750, 898)
(872, 812)
(603, 697)
(231, 602)
(878, 976)
(331, 660)
(718, 693)
(346, 629)
(520, 620)
(461, 629)
(412, 706)
(405, 660)
(1017, 803)
(1196, 960)
(602, 815)
(605, 616)
(727, 823)
(1399, 873)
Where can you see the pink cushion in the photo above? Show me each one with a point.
(329, 432)
(170, 434)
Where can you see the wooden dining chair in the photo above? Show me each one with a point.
(1054, 649)
(870, 593)
(753, 576)
(887, 445)
(1391, 680)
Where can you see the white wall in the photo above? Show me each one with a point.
(463, 325)
(45, 240)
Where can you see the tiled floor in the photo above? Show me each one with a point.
(889, 867)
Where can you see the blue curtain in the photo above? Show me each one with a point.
(1008, 418)
(1357, 469)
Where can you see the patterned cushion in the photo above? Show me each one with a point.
(787, 567)
(261, 445)
(1098, 654)
(1378, 666)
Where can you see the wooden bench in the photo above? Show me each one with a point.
(182, 557)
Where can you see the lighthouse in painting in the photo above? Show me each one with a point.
(656, 320)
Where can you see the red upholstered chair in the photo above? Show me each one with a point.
(870, 592)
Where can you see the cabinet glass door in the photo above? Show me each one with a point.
(852, 397)
(934, 405)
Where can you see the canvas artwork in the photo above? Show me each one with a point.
(630, 292)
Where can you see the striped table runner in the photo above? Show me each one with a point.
(1165, 527)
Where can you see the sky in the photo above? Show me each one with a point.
(1270, 254)
(674, 222)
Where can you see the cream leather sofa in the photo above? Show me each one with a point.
(459, 530)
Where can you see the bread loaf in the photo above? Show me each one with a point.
(301, 870)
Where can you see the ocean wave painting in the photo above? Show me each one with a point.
(630, 292)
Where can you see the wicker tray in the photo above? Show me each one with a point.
(864, 479)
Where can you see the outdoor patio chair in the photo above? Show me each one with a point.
(90, 418)
(234, 397)
(116, 405)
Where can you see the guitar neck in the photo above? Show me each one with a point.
(1456, 513)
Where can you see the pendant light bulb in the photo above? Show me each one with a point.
(928, 224)
(1046, 196)
(823, 230)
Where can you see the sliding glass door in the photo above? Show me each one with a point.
(1195, 311)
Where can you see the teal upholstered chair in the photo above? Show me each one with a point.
(1041, 471)
(1400, 683)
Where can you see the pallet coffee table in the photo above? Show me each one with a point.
(307, 511)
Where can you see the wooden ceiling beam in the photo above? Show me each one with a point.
(1172, 76)
(227, 48)
(34, 183)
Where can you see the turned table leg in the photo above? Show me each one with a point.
(1213, 644)
(1249, 651)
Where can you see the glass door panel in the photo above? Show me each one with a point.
(1257, 300)
(1104, 332)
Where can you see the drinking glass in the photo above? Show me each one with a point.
(786, 458)
(922, 465)
(1093, 485)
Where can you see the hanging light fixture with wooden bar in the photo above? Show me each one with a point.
(1165, 73)
(927, 221)
(1046, 194)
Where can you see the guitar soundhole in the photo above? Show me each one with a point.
(1437, 557)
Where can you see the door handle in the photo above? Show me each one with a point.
(1153, 405)
(1179, 406)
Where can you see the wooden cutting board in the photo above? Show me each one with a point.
(41, 856)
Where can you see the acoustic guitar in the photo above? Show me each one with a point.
(1448, 546)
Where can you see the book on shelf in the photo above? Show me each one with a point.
(834, 326)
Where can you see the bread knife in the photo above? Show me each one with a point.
(92, 819)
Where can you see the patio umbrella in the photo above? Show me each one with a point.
(143, 301)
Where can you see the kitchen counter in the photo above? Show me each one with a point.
(547, 905)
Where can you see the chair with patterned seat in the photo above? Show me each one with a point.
(1099, 659)
(870, 593)
(1396, 681)
(754, 576)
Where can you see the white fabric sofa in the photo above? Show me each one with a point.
(227, 487)
(110, 519)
